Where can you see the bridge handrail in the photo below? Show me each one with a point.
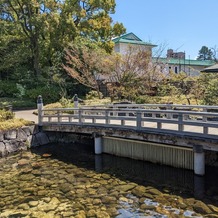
(133, 118)
(133, 110)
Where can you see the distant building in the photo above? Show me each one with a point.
(123, 42)
(176, 62)
(177, 55)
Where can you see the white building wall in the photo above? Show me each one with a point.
(123, 47)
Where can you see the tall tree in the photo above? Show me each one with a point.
(49, 25)
(205, 53)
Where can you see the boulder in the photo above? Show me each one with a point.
(21, 135)
(11, 134)
(3, 151)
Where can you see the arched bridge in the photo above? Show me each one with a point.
(188, 126)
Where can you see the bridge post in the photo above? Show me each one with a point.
(169, 107)
(139, 120)
(98, 143)
(40, 113)
(199, 160)
(75, 101)
(180, 122)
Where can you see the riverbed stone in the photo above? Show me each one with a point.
(147, 207)
(24, 206)
(30, 190)
(105, 176)
(66, 187)
(77, 205)
(37, 214)
(42, 206)
(42, 193)
(213, 208)
(67, 214)
(91, 213)
(201, 207)
(96, 201)
(109, 200)
(26, 177)
(153, 191)
(33, 203)
(23, 162)
(125, 188)
(139, 191)
(211, 216)
(80, 214)
(112, 211)
(102, 214)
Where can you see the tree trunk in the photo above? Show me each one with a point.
(35, 55)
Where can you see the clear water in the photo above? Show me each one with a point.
(60, 180)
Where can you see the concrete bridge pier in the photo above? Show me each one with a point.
(98, 163)
(199, 186)
(199, 160)
(98, 144)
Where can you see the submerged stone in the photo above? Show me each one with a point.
(201, 207)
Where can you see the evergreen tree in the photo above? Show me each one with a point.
(205, 53)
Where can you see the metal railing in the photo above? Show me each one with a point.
(191, 120)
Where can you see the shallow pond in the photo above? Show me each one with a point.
(68, 180)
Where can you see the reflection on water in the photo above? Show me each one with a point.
(71, 181)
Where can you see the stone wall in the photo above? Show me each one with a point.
(15, 140)
(19, 139)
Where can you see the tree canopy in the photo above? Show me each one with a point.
(38, 30)
(205, 53)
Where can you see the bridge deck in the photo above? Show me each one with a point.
(180, 122)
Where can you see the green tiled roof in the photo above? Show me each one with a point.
(131, 38)
(176, 61)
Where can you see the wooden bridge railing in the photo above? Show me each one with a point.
(192, 120)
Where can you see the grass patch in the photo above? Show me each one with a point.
(8, 121)
(14, 123)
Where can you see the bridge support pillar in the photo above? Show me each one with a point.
(98, 144)
(98, 163)
(40, 112)
(199, 160)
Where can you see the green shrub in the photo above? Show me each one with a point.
(49, 94)
(93, 95)
(211, 93)
(66, 103)
(167, 89)
(8, 89)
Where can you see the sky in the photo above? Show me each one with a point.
(181, 25)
